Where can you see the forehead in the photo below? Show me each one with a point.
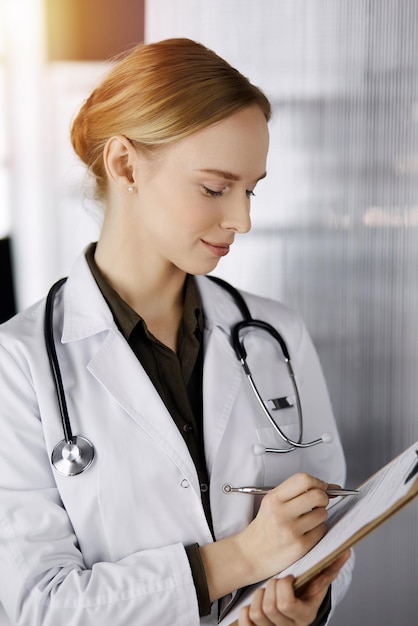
(238, 145)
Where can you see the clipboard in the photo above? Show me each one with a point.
(350, 519)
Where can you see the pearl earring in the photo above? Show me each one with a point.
(131, 189)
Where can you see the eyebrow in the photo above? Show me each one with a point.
(228, 175)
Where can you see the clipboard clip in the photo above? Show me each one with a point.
(413, 471)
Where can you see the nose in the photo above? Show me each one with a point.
(236, 215)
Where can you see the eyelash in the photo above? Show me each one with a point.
(218, 194)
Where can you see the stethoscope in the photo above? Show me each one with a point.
(74, 454)
(278, 403)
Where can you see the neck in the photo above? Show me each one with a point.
(154, 290)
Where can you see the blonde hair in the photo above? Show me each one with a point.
(158, 94)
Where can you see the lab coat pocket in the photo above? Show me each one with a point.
(278, 465)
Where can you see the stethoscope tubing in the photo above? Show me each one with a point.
(53, 360)
(241, 353)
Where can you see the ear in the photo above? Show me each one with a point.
(119, 156)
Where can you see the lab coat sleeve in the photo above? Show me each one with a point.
(43, 579)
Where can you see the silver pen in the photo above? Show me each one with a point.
(261, 491)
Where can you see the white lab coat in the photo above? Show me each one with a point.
(107, 546)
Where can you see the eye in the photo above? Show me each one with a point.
(215, 193)
(212, 192)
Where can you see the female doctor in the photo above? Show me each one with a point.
(176, 140)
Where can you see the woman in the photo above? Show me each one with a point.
(177, 141)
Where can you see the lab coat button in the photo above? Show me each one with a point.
(185, 483)
(204, 487)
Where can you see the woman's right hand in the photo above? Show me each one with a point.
(290, 521)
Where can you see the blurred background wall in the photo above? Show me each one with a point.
(335, 224)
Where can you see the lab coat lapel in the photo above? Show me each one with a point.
(222, 372)
(116, 367)
(88, 318)
(222, 378)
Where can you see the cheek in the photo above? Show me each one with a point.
(190, 211)
(173, 204)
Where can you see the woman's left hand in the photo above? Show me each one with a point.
(277, 605)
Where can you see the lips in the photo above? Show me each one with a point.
(218, 249)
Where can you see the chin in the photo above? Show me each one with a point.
(201, 269)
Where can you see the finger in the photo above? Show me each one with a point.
(310, 519)
(304, 502)
(333, 486)
(244, 617)
(291, 608)
(279, 598)
(320, 583)
(308, 537)
(298, 484)
(256, 613)
(265, 609)
(307, 501)
(331, 572)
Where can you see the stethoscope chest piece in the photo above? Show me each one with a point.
(72, 457)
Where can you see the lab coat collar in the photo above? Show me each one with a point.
(85, 310)
(222, 372)
(220, 311)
